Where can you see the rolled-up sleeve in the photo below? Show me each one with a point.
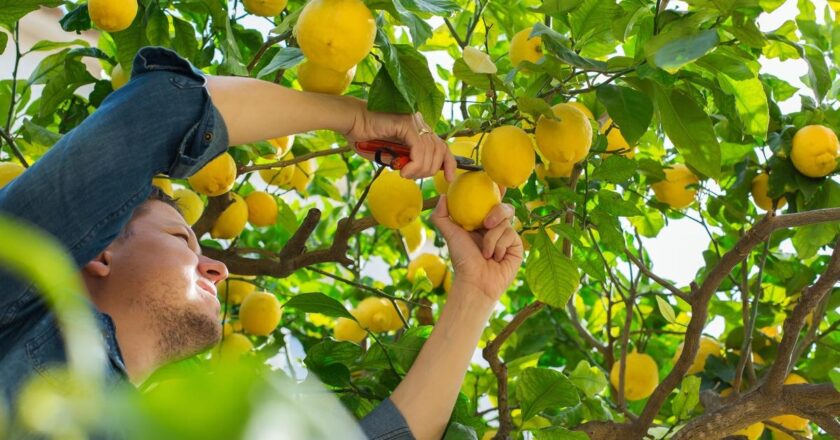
(83, 190)
(386, 422)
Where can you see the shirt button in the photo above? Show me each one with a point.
(208, 136)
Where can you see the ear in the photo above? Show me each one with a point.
(99, 267)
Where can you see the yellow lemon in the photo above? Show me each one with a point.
(471, 197)
(434, 266)
(553, 170)
(508, 156)
(394, 321)
(348, 330)
(641, 376)
(336, 34)
(190, 205)
(584, 109)
(164, 184)
(315, 78)
(262, 208)
(232, 220)
(282, 144)
(264, 8)
(414, 235)
(393, 201)
(616, 141)
(779, 435)
(233, 346)
(216, 178)
(815, 150)
(760, 186)
(112, 15)
(460, 147)
(119, 77)
(708, 347)
(303, 174)
(373, 314)
(8, 171)
(447, 281)
(673, 190)
(234, 289)
(279, 176)
(566, 140)
(260, 313)
(488, 435)
(523, 48)
(227, 329)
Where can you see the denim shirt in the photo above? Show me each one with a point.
(84, 190)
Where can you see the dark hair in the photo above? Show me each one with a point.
(157, 194)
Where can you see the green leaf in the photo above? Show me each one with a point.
(285, 58)
(77, 20)
(535, 107)
(589, 379)
(130, 41)
(52, 45)
(457, 431)
(157, 27)
(630, 109)
(421, 282)
(592, 21)
(436, 7)
(40, 135)
(557, 45)
(405, 350)
(384, 96)
(429, 98)
(834, 376)
(809, 239)
(614, 203)
(818, 76)
(666, 310)
(63, 85)
(690, 129)
(687, 398)
(317, 302)
(551, 276)
(286, 218)
(543, 388)
(674, 49)
(4, 39)
(329, 352)
(13, 10)
(751, 103)
(559, 433)
(185, 42)
(649, 223)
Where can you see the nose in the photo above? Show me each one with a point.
(211, 269)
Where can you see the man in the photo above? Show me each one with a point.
(154, 292)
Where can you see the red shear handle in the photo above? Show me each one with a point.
(387, 153)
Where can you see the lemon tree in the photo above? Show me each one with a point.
(611, 127)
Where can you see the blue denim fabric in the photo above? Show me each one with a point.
(84, 190)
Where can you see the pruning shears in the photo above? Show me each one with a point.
(396, 155)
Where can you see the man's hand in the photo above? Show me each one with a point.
(486, 259)
(428, 151)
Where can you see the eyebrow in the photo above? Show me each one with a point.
(191, 234)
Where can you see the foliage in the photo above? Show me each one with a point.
(683, 86)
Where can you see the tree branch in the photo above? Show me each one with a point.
(299, 159)
(271, 41)
(13, 146)
(659, 280)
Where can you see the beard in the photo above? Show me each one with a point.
(183, 332)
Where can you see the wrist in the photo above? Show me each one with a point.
(470, 297)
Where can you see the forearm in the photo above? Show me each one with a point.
(256, 110)
(427, 394)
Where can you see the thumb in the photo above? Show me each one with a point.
(440, 217)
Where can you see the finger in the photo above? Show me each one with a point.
(491, 237)
(477, 237)
(505, 242)
(501, 213)
(440, 218)
(410, 170)
(428, 156)
(439, 157)
(449, 164)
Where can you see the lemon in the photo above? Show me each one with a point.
(8, 171)
(282, 145)
(112, 15)
(262, 208)
(790, 421)
(227, 329)
(348, 330)
(414, 235)
(373, 314)
(523, 48)
(508, 156)
(234, 289)
(315, 78)
(752, 432)
(471, 197)
(779, 435)
(233, 346)
(164, 184)
(584, 109)
(488, 435)
(566, 140)
(336, 34)
(119, 77)
(260, 313)
(216, 178)
(447, 281)
(554, 170)
(673, 190)
(393, 201)
(279, 176)
(641, 376)
(460, 147)
(264, 8)
(434, 266)
(478, 61)
(616, 141)
(232, 220)
(815, 150)
(190, 205)
(708, 347)
(394, 321)
(303, 174)
(760, 186)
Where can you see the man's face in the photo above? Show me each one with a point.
(164, 282)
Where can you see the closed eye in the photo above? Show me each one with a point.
(184, 236)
